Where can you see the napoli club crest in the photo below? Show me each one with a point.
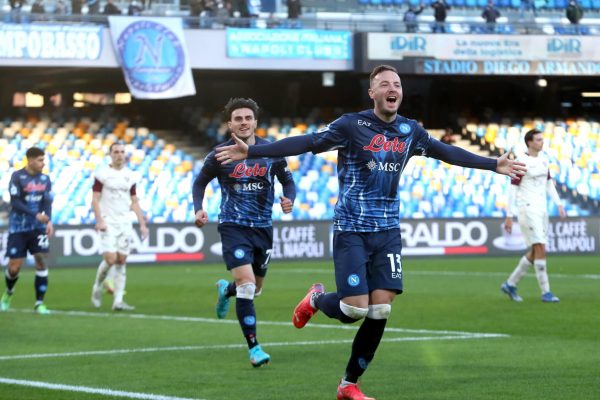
(152, 56)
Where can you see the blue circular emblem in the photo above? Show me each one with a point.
(239, 254)
(249, 320)
(362, 363)
(353, 280)
(404, 128)
(152, 56)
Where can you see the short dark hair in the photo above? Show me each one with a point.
(529, 136)
(34, 152)
(378, 69)
(239, 102)
(117, 143)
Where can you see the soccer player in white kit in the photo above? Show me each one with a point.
(114, 197)
(530, 192)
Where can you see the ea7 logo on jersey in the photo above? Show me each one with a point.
(248, 187)
(380, 143)
(363, 123)
(242, 170)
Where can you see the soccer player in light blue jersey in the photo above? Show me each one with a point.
(373, 148)
(29, 227)
(245, 220)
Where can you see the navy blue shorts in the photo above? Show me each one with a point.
(365, 261)
(244, 245)
(19, 243)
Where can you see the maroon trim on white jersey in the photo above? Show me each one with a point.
(97, 186)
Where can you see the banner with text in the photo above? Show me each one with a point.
(289, 44)
(488, 54)
(312, 240)
(50, 42)
(153, 55)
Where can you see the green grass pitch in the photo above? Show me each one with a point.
(451, 335)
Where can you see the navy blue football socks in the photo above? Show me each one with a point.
(364, 346)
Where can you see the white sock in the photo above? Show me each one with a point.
(519, 271)
(102, 272)
(542, 275)
(111, 274)
(120, 278)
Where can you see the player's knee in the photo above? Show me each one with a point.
(246, 291)
(352, 313)
(110, 259)
(379, 311)
(40, 261)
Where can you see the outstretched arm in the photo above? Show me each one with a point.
(290, 146)
(457, 156)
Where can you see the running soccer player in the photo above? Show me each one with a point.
(29, 227)
(373, 148)
(114, 197)
(245, 220)
(531, 192)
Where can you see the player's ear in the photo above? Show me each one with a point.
(371, 93)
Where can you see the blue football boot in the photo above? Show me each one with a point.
(511, 291)
(258, 357)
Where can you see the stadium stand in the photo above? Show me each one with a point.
(572, 146)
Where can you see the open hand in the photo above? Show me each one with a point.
(512, 168)
(234, 152)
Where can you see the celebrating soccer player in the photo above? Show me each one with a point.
(530, 191)
(29, 227)
(245, 221)
(373, 148)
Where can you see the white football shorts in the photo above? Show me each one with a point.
(534, 225)
(116, 238)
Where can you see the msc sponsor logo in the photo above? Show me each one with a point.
(242, 171)
(248, 187)
(380, 143)
(384, 166)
